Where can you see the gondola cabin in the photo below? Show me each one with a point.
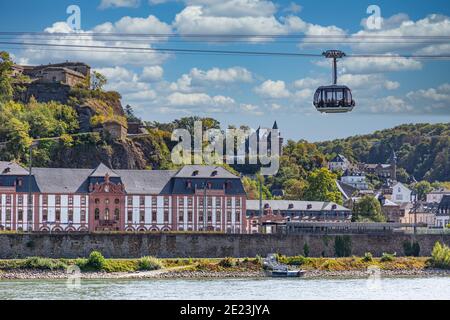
(333, 99)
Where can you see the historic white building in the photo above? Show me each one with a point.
(194, 198)
(400, 193)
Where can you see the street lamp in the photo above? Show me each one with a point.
(30, 181)
(414, 202)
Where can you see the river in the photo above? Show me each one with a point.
(230, 289)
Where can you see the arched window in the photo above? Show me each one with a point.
(106, 214)
(117, 214)
(97, 201)
(97, 214)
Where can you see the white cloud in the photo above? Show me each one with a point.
(293, 8)
(368, 82)
(422, 101)
(152, 73)
(378, 65)
(117, 74)
(135, 25)
(273, 89)
(119, 4)
(234, 74)
(98, 57)
(194, 19)
(401, 26)
(308, 83)
(251, 109)
(235, 8)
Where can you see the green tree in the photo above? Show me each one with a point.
(98, 81)
(251, 187)
(321, 186)
(368, 208)
(422, 188)
(294, 189)
(6, 88)
(129, 113)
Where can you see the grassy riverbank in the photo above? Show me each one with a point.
(97, 266)
(35, 268)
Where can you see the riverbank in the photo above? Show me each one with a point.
(189, 274)
(152, 268)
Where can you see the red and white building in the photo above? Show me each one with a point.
(194, 198)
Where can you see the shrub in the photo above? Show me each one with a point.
(368, 257)
(343, 246)
(227, 263)
(332, 265)
(96, 261)
(149, 263)
(440, 256)
(388, 257)
(44, 264)
(297, 260)
(411, 249)
(306, 249)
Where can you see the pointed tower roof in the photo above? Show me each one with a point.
(275, 125)
(102, 170)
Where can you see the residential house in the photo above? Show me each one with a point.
(400, 193)
(443, 212)
(435, 196)
(339, 163)
(355, 179)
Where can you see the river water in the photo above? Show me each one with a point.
(230, 289)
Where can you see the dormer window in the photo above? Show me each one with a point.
(209, 185)
(20, 182)
(188, 184)
(195, 173)
(291, 206)
(309, 206)
(214, 173)
(333, 207)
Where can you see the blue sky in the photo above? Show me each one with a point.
(254, 90)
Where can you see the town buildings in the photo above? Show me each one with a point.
(436, 196)
(194, 198)
(356, 180)
(443, 212)
(282, 211)
(339, 163)
(400, 193)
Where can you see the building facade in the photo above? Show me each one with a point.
(443, 212)
(356, 180)
(436, 196)
(68, 73)
(280, 211)
(339, 163)
(401, 193)
(194, 198)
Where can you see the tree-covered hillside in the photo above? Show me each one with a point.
(423, 150)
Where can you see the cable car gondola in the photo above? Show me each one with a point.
(334, 98)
